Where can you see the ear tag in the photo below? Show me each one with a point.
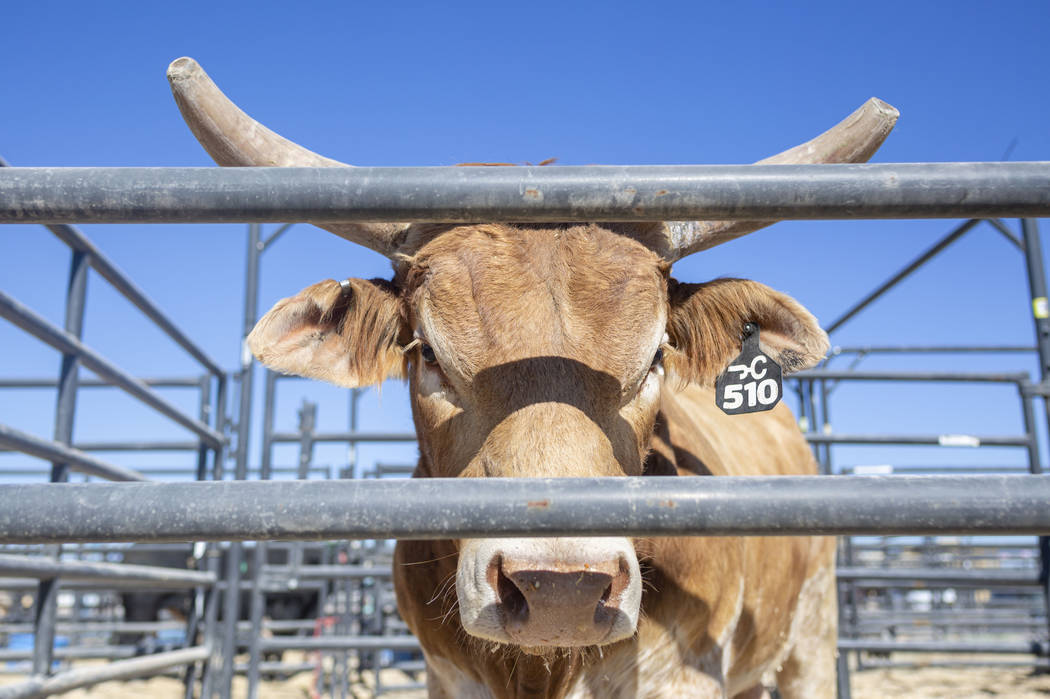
(752, 382)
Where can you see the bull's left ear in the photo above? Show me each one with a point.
(707, 321)
(344, 333)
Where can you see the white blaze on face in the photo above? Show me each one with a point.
(543, 593)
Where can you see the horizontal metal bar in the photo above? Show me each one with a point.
(1037, 648)
(66, 343)
(944, 440)
(87, 676)
(172, 382)
(935, 576)
(16, 440)
(466, 194)
(925, 663)
(959, 376)
(41, 568)
(326, 572)
(279, 437)
(494, 507)
(73, 653)
(340, 643)
(135, 446)
(101, 627)
(916, 470)
(928, 349)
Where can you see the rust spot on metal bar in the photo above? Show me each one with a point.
(539, 504)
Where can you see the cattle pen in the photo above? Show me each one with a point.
(903, 531)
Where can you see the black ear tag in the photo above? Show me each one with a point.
(752, 382)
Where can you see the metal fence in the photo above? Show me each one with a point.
(356, 592)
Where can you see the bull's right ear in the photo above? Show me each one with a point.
(344, 333)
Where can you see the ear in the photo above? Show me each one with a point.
(343, 333)
(706, 322)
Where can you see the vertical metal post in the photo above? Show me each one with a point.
(200, 596)
(1033, 255)
(825, 425)
(244, 421)
(65, 409)
(212, 553)
(258, 603)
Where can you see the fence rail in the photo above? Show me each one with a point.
(590, 193)
(493, 507)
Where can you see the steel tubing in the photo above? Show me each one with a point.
(947, 376)
(1039, 648)
(494, 507)
(77, 460)
(64, 342)
(931, 577)
(340, 643)
(465, 194)
(43, 568)
(120, 670)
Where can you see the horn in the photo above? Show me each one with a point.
(234, 139)
(853, 140)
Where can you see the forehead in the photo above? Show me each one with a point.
(512, 292)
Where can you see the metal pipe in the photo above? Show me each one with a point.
(74, 653)
(17, 440)
(175, 382)
(1037, 648)
(915, 264)
(1040, 307)
(467, 194)
(65, 408)
(346, 437)
(967, 377)
(66, 343)
(130, 446)
(927, 349)
(494, 507)
(87, 676)
(44, 568)
(1006, 232)
(944, 440)
(341, 643)
(274, 236)
(272, 573)
(940, 576)
(231, 601)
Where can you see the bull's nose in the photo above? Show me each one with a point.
(545, 604)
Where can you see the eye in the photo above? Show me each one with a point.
(427, 353)
(657, 358)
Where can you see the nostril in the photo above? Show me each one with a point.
(511, 598)
(606, 595)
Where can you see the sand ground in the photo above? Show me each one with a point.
(910, 683)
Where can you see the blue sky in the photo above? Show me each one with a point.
(433, 84)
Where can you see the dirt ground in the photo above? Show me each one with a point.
(912, 683)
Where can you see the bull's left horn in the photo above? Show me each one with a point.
(853, 140)
(232, 138)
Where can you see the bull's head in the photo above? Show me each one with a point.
(530, 350)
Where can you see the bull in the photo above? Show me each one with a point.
(568, 350)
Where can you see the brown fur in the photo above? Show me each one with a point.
(544, 337)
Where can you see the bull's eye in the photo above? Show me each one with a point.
(427, 353)
(657, 358)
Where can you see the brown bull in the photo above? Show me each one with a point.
(559, 350)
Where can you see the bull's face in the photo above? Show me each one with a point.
(534, 352)
(531, 352)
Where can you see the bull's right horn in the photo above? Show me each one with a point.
(234, 139)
